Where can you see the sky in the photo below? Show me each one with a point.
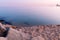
(28, 2)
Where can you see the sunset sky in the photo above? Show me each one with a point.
(28, 2)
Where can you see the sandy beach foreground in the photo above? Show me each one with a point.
(39, 32)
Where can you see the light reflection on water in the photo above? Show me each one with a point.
(31, 15)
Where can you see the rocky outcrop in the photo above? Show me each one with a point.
(14, 35)
(40, 32)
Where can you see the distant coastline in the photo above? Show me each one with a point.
(57, 5)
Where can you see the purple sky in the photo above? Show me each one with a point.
(27, 2)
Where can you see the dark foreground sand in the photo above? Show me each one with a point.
(40, 32)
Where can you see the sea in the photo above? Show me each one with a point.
(30, 15)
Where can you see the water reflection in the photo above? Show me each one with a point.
(31, 15)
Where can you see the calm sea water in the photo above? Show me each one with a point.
(31, 15)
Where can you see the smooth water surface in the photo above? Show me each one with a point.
(33, 15)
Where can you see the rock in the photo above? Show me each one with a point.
(2, 27)
(38, 38)
(2, 38)
(25, 36)
(14, 35)
(44, 32)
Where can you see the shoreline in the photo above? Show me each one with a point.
(37, 32)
